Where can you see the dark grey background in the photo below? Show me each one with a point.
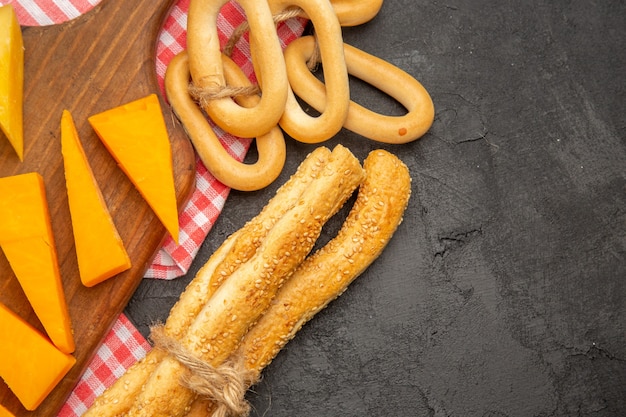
(502, 293)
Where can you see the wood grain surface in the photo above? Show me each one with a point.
(101, 60)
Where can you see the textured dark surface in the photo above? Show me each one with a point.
(502, 293)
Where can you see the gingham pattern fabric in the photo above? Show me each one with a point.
(49, 12)
(124, 345)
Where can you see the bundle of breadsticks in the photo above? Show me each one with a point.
(262, 285)
(203, 84)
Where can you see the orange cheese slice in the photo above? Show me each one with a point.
(11, 79)
(99, 249)
(30, 365)
(136, 135)
(5, 413)
(27, 241)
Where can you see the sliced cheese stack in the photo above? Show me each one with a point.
(27, 241)
(30, 365)
(11, 79)
(99, 248)
(136, 135)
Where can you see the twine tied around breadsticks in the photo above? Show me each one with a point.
(225, 385)
(202, 95)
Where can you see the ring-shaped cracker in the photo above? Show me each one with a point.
(380, 74)
(238, 175)
(206, 68)
(295, 121)
(356, 12)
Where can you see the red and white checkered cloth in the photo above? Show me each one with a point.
(124, 345)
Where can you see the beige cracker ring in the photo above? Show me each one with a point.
(356, 12)
(229, 171)
(205, 66)
(295, 121)
(379, 73)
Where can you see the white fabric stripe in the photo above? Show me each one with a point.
(122, 334)
(67, 8)
(38, 15)
(166, 259)
(180, 17)
(94, 383)
(168, 40)
(200, 218)
(219, 201)
(184, 238)
(105, 353)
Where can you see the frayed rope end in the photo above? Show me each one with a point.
(226, 385)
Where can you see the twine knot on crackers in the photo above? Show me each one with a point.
(203, 95)
(225, 385)
(286, 14)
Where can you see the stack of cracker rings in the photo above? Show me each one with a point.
(203, 82)
(267, 279)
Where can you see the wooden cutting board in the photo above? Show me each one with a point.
(101, 60)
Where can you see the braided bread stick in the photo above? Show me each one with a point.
(382, 199)
(243, 297)
(239, 246)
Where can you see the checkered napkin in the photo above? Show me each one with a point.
(124, 345)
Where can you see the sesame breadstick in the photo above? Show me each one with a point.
(116, 400)
(323, 276)
(255, 230)
(246, 293)
(240, 246)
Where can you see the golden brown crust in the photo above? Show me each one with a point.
(118, 398)
(323, 276)
(286, 197)
(242, 244)
(382, 199)
(246, 293)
